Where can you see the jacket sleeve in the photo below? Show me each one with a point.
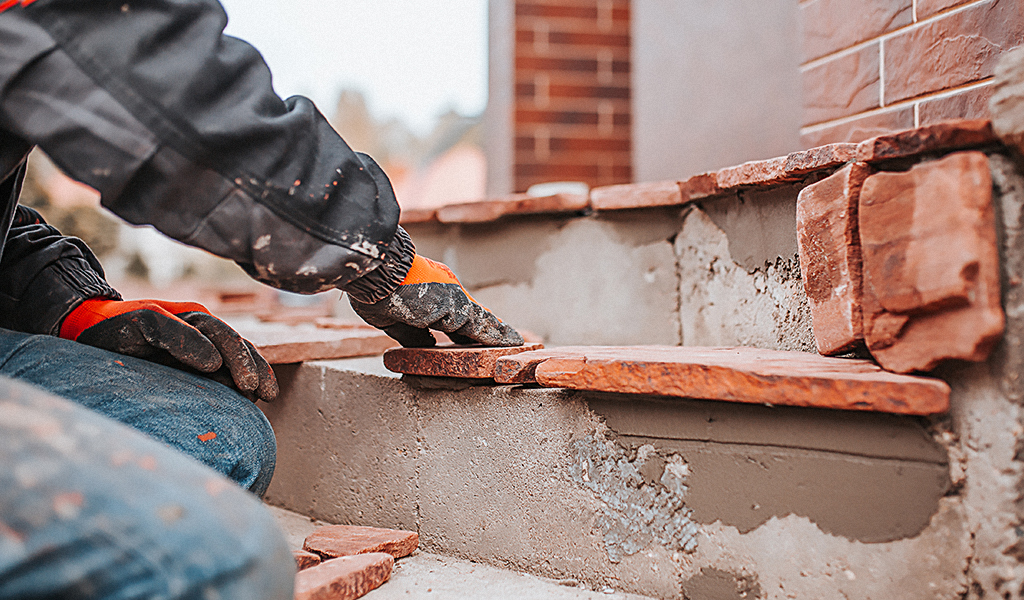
(177, 126)
(44, 275)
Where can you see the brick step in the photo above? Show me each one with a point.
(751, 375)
(638, 493)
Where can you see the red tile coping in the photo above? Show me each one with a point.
(281, 343)
(948, 135)
(636, 195)
(520, 204)
(344, 578)
(332, 541)
(794, 167)
(749, 375)
(699, 186)
(467, 362)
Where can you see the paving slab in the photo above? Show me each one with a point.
(750, 375)
(332, 541)
(345, 578)
(945, 136)
(450, 360)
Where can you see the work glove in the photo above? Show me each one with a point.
(174, 334)
(431, 297)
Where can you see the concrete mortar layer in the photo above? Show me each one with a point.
(648, 276)
(614, 492)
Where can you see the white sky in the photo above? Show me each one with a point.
(413, 59)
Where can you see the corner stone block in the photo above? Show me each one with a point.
(931, 264)
(830, 262)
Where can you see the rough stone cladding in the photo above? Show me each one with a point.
(572, 118)
(874, 66)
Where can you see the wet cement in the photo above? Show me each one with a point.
(864, 476)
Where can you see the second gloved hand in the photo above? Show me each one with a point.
(173, 333)
(431, 297)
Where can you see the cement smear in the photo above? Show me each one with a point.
(635, 510)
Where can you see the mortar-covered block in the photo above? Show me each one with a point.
(344, 578)
(332, 541)
(931, 264)
(830, 262)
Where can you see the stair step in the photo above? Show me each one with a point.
(750, 375)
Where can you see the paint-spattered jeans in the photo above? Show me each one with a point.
(90, 508)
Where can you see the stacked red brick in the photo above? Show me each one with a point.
(572, 94)
(875, 66)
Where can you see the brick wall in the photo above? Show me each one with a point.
(572, 117)
(872, 66)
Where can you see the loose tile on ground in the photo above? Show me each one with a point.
(345, 578)
(332, 541)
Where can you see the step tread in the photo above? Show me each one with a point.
(750, 375)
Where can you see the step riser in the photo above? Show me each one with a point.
(608, 489)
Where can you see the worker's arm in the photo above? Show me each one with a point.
(178, 126)
(52, 284)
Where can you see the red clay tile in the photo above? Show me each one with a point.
(469, 362)
(699, 186)
(636, 195)
(305, 560)
(955, 49)
(822, 157)
(755, 172)
(949, 135)
(832, 25)
(931, 264)
(861, 128)
(748, 375)
(282, 344)
(417, 215)
(344, 578)
(332, 541)
(841, 86)
(520, 204)
(829, 243)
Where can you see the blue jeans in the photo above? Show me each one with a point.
(90, 508)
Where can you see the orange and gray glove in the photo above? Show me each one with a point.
(431, 297)
(174, 334)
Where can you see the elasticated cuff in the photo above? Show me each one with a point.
(59, 289)
(380, 282)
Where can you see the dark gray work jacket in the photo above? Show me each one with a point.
(178, 127)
